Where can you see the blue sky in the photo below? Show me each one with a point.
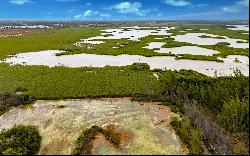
(125, 9)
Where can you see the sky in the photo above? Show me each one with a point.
(124, 9)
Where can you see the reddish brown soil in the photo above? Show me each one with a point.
(123, 136)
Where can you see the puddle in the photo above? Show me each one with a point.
(130, 33)
(60, 127)
(48, 58)
(195, 39)
(239, 27)
(192, 50)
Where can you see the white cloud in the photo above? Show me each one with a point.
(66, 0)
(77, 16)
(105, 15)
(243, 3)
(19, 2)
(237, 7)
(127, 7)
(130, 7)
(230, 9)
(178, 3)
(88, 13)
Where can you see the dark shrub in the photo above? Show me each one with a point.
(20, 140)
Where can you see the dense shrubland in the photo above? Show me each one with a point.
(20, 140)
(226, 100)
(53, 39)
(61, 82)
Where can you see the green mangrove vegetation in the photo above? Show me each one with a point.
(49, 83)
(53, 39)
(115, 47)
(198, 57)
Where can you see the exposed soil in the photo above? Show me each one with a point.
(140, 127)
(123, 136)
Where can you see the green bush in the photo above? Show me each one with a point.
(234, 115)
(140, 66)
(20, 140)
(190, 135)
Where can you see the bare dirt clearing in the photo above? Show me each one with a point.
(59, 126)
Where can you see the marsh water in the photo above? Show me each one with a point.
(210, 68)
(135, 33)
(192, 50)
(195, 38)
(61, 122)
(49, 58)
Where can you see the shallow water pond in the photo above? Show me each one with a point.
(49, 58)
(61, 122)
(239, 27)
(192, 50)
(195, 38)
(130, 33)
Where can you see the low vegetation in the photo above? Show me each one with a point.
(20, 140)
(122, 46)
(217, 37)
(198, 57)
(53, 39)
